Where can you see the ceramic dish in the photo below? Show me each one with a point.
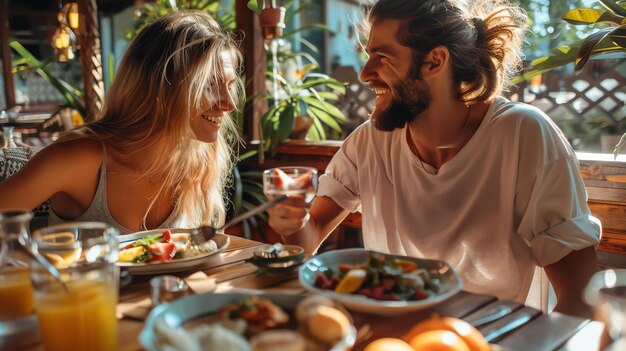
(189, 309)
(449, 279)
(175, 265)
(293, 258)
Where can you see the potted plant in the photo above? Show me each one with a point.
(609, 39)
(305, 103)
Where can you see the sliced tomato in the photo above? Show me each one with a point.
(282, 180)
(162, 252)
(167, 235)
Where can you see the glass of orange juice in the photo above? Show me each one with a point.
(16, 292)
(83, 316)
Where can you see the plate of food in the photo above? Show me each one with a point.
(244, 321)
(376, 283)
(165, 250)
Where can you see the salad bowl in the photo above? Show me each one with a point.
(445, 277)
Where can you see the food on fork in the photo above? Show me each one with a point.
(162, 247)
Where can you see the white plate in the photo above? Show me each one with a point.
(176, 314)
(175, 265)
(450, 282)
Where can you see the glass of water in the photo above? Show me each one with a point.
(292, 181)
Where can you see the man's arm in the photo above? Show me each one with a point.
(569, 276)
(299, 226)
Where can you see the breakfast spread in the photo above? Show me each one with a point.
(258, 324)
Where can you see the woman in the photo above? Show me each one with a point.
(158, 155)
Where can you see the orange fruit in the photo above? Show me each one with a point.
(388, 344)
(352, 281)
(438, 340)
(470, 335)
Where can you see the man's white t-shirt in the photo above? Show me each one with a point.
(511, 199)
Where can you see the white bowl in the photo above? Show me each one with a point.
(193, 307)
(450, 282)
(175, 265)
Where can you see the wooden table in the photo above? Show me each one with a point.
(230, 272)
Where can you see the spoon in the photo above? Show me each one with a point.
(44, 263)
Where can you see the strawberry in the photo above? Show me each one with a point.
(167, 235)
(320, 281)
(163, 252)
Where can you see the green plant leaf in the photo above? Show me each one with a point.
(237, 196)
(246, 155)
(329, 109)
(585, 16)
(613, 6)
(328, 95)
(324, 117)
(287, 120)
(618, 36)
(589, 45)
(254, 6)
(172, 4)
(319, 128)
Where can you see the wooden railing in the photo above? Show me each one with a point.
(605, 181)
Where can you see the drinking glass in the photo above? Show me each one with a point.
(16, 291)
(167, 288)
(83, 316)
(290, 181)
(606, 292)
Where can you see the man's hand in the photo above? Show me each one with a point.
(290, 216)
(570, 276)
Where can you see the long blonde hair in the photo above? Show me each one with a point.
(162, 79)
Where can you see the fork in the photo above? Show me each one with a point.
(201, 235)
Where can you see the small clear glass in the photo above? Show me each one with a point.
(83, 316)
(292, 181)
(167, 288)
(606, 292)
(16, 291)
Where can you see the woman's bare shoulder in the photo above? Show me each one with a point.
(80, 150)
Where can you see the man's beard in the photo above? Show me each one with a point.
(411, 99)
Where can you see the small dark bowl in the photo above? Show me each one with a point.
(281, 264)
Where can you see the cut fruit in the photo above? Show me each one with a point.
(352, 281)
(129, 255)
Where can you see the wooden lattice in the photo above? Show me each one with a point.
(90, 57)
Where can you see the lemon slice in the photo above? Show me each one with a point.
(352, 281)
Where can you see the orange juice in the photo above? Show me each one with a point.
(81, 319)
(16, 293)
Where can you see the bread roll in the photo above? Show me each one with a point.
(327, 324)
(307, 306)
(278, 340)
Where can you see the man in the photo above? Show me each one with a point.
(448, 169)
